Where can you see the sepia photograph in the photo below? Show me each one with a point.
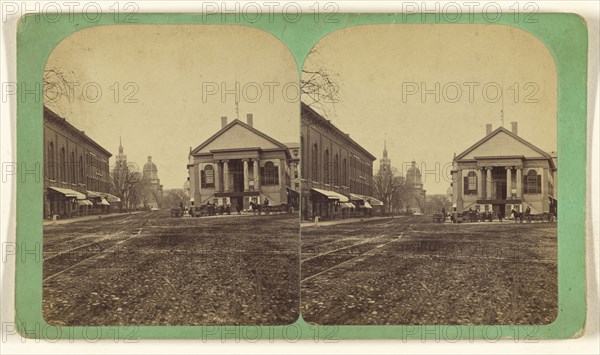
(171, 188)
(429, 177)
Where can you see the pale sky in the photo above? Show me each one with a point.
(377, 64)
(171, 67)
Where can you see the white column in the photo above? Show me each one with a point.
(519, 182)
(488, 180)
(217, 177)
(479, 184)
(508, 182)
(256, 177)
(226, 175)
(281, 172)
(246, 187)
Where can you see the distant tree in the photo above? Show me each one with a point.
(126, 183)
(435, 203)
(174, 197)
(390, 189)
(57, 91)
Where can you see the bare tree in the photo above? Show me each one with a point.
(437, 202)
(57, 90)
(318, 85)
(390, 189)
(126, 183)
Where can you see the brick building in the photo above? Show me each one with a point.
(337, 172)
(76, 171)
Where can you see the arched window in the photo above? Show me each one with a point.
(72, 166)
(470, 183)
(326, 169)
(62, 164)
(208, 176)
(81, 169)
(315, 162)
(336, 170)
(344, 173)
(533, 182)
(270, 174)
(51, 162)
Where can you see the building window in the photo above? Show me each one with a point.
(315, 162)
(533, 182)
(470, 184)
(51, 164)
(269, 174)
(81, 169)
(62, 163)
(326, 169)
(208, 176)
(344, 173)
(336, 170)
(73, 168)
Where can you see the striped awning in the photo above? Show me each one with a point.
(332, 195)
(84, 203)
(112, 198)
(69, 193)
(367, 205)
(347, 205)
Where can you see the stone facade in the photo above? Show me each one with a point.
(503, 171)
(238, 165)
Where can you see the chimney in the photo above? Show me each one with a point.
(515, 128)
(223, 121)
(488, 129)
(249, 120)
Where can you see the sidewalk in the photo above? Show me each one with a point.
(86, 218)
(306, 224)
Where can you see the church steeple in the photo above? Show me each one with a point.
(385, 149)
(120, 145)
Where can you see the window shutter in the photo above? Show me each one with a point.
(465, 185)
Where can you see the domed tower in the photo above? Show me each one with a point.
(414, 184)
(153, 188)
(150, 172)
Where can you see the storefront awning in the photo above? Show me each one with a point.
(367, 205)
(347, 205)
(112, 198)
(356, 197)
(332, 195)
(374, 202)
(84, 203)
(103, 202)
(93, 194)
(69, 193)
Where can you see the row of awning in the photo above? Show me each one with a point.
(365, 201)
(104, 198)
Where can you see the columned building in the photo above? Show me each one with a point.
(337, 172)
(240, 164)
(76, 174)
(503, 171)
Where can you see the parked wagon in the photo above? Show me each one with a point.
(176, 212)
(439, 218)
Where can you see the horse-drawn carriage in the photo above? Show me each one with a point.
(268, 209)
(528, 217)
(439, 217)
(176, 212)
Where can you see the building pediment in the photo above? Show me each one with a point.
(237, 136)
(502, 144)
